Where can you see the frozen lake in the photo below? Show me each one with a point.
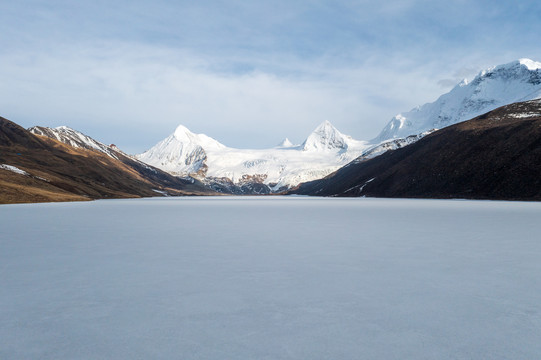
(270, 278)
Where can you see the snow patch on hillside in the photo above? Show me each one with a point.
(13, 169)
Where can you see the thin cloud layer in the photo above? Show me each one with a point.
(246, 74)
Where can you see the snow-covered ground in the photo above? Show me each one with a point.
(270, 278)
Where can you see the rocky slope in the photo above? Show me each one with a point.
(41, 168)
(493, 156)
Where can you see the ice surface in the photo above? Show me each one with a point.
(270, 278)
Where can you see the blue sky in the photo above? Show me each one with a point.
(247, 73)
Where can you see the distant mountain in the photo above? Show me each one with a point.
(261, 171)
(493, 156)
(326, 149)
(200, 163)
(182, 153)
(327, 138)
(285, 143)
(516, 81)
(63, 164)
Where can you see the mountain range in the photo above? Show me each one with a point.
(325, 150)
(493, 156)
(184, 153)
(64, 164)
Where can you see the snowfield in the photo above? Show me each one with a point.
(270, 278)
(325, 150)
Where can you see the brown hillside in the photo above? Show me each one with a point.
(73, 173)
(494, 156)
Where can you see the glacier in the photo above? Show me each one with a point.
(325, 150)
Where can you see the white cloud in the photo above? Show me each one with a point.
(243, 72)
(134, 95)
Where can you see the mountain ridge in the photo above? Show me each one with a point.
(38, 168)
(327, 149)
(188, 154)
(519, 80)
(493, 156)
(197, 159)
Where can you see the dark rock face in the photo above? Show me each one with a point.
(248, 185)
(494, 156)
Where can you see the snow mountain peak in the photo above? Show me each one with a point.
(184, 153)
(519, 80)
(530, 64)
(285, 143)
(526, 63)
(521, 69)
(181, 153)
(325, 137)
(182, 132)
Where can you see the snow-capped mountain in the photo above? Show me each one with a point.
(77, 139)
(73, 138)
(516, 81)
(182, 153)
(493, 156)
(285, 143)
(324, 151)
(327, 138)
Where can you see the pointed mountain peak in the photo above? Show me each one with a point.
(325, 126)
(285, 143)
(325, 137)
(182, 133)
(326, 130)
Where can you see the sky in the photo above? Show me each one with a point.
(247, 73)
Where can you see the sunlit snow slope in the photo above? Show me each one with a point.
(324, 151)
(519, 80)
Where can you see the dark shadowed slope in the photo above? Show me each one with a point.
(494, 156)
(59, 172)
